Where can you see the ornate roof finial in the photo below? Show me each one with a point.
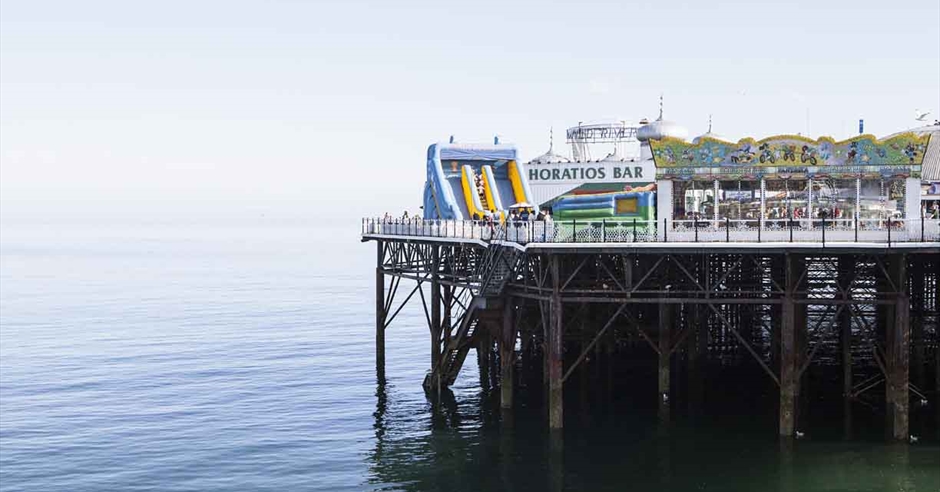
(709, 123)
(551, 138)
(660, 106)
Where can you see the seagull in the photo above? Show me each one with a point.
(920, 115)
(914, 439)
(800, 435)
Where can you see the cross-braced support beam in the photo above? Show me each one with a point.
(795, 313)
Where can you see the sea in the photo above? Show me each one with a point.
(202, 352)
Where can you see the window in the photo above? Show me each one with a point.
(834, 199)
(739, 200)
(693, 199)
(785, 198)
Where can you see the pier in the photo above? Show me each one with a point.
(541, 303)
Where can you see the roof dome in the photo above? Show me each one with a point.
(710, 134)
(550, 157)
(660, 129)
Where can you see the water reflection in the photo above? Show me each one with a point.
(462, 441)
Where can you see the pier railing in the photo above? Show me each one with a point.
(822, 231)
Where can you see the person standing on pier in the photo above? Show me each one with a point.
(488, 218)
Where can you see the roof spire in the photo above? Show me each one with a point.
(709, 123)
(551, 138)
(660, 106)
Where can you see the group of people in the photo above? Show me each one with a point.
(516, 216)
(387, 218)
(478, 180)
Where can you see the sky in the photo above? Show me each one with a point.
(333, 104)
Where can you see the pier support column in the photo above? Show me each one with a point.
(918, 341)
(555, 352)
(665, 340)
(898, 352)
(507, 347)
(484, 351)
(789, 372)
(846, 267)
(845, 322)
(435, 307)
(697, 346)
(379, 311)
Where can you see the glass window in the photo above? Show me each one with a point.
(785, 198)
(693, 199)
(880, 200)
(834, 199)
(739, 200)
(896, 191)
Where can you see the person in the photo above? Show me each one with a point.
(524, 216)
(476, 217)
(405, 215)
(540, 216)
(488, 217)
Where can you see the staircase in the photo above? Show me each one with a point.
(456, 348)
(491, 277)
(496, 269)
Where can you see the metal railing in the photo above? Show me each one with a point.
(822, 231)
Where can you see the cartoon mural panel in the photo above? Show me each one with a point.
(899, 155)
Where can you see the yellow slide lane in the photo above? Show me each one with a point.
(474, 206)
(517, 188)
(489, 192)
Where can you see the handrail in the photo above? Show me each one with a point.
(612, 230)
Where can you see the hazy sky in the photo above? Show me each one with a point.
(336, 102)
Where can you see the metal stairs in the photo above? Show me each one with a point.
(493, 273)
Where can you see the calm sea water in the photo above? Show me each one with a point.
(238, 355)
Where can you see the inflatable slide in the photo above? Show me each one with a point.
(467, 180)
(624, 205)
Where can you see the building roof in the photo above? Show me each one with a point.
(660, 129)
(710, 134)
(550, 157)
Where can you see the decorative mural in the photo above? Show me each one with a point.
(790, 155)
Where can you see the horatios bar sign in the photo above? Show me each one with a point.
(598, 172)
(790, 156)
